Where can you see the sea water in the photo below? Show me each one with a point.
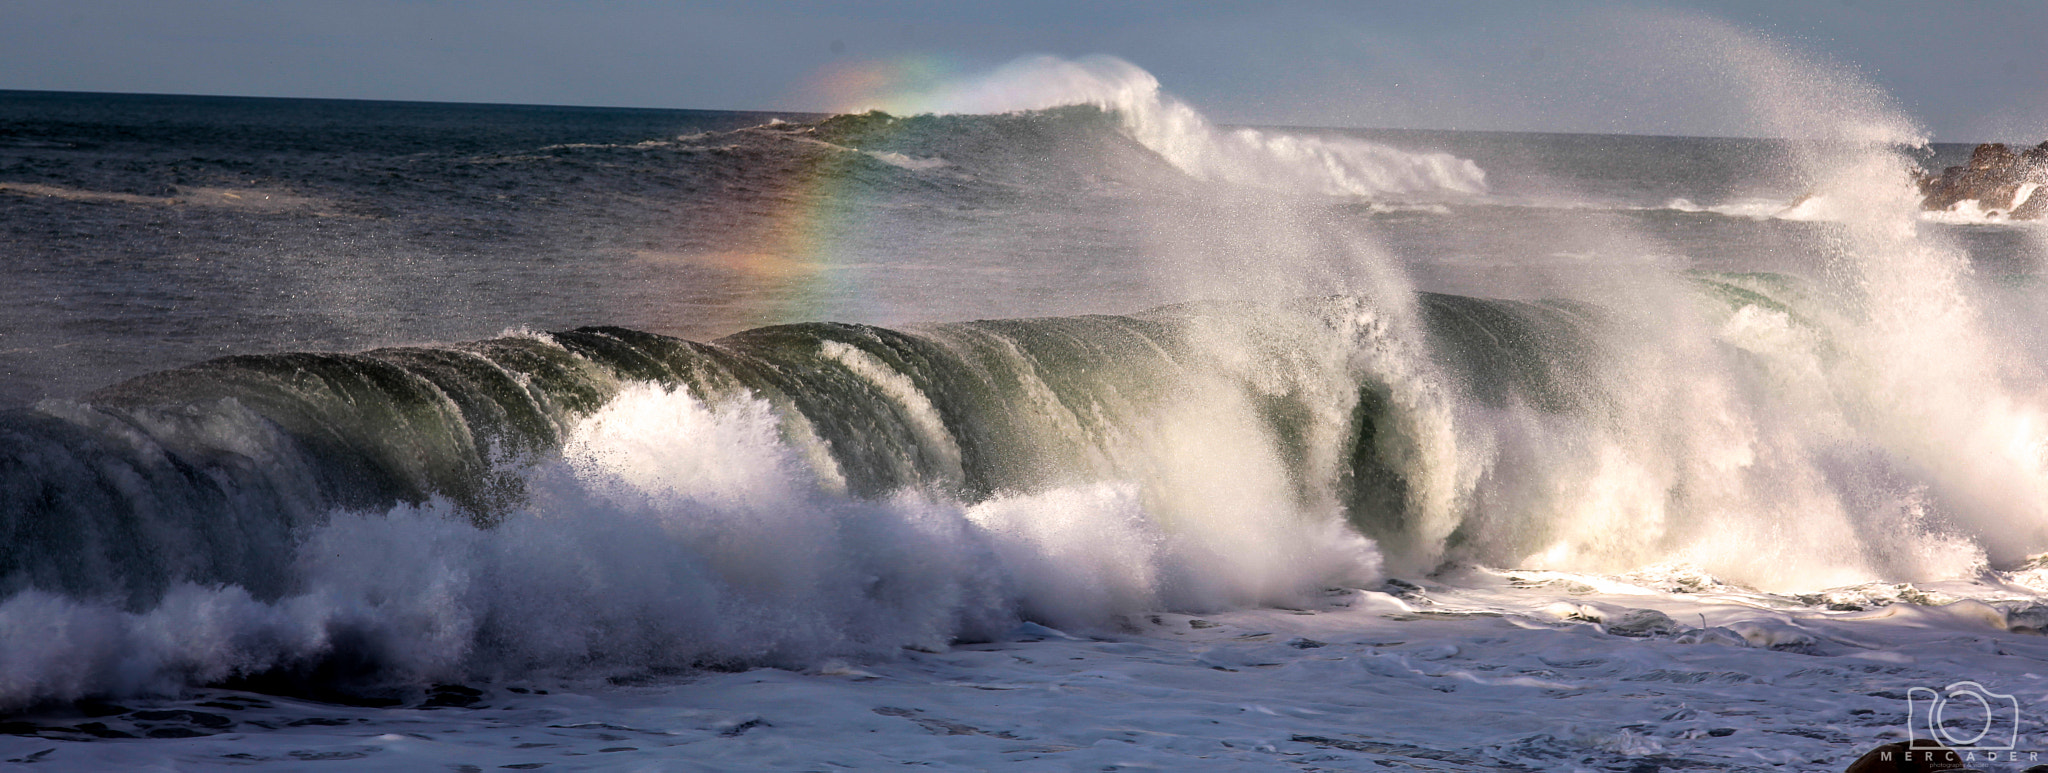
(1040, 421)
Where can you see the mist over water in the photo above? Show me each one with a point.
(1227, 367)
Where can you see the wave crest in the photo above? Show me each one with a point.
(1330, 165)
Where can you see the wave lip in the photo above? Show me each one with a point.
(603, 500)
(1184, 137)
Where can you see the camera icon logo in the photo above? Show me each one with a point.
(1963, 716)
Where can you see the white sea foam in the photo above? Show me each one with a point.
(673, 532)
(1491, 670)
(1804, 208)
(1290, 161)
(1698, 458)
(1788, 476)
(1972, 211)
(913, 163)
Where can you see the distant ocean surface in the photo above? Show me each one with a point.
(411, 433)
(148, 232)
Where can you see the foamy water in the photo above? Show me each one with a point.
(1320, 511)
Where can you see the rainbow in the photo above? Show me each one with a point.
(801, 253)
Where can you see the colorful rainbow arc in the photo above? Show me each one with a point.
(798, 253)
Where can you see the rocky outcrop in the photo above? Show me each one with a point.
(1997, 179)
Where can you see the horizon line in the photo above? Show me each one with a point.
(772, 112)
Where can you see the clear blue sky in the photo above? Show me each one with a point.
(1963, 70)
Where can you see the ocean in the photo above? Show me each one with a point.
(1047, 428)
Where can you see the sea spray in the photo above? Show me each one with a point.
(1924, 379)
(1616, 450)
(788, 495)
(1182, 135)
(1779, 434)
(606, 502)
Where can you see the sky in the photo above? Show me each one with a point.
(1961, 71)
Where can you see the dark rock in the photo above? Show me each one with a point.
(313, 756)
(1993, 178)
(100, 730)
(741, 728)
(1402, 588)
(1991, 156)
(200, 718)
(99, 708)
(1393, 750)
(319, 722)
(351, 675)
(452, 696)
(932, 725)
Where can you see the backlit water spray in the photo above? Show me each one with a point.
(604, 502)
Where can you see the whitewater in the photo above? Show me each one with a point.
(1034, 421)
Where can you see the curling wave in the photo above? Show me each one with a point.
(609, 501)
